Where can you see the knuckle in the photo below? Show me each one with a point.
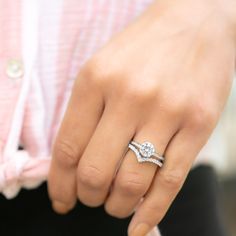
(172, 179)
(65, 153)
(173, 104)
(95, 71)
(175, 108)
(139, 94)
(131, 186)
(203, 115)
(91, 177)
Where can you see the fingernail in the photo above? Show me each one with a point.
(140, 230)
(60, 207)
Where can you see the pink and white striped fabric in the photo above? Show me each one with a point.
(52, 39)
(49, 41)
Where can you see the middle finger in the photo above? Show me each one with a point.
(102, 155)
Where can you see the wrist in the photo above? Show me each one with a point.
(219, 15)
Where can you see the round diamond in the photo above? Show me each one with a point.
(147, 149)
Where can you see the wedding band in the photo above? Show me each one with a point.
(146, 152)
(147, 149)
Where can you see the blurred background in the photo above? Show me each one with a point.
(224, 150)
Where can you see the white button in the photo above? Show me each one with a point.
(15, 69)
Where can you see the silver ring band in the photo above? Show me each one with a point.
(138, 145)
(146, 152)
(144, 159)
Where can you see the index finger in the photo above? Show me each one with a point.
(80, 120)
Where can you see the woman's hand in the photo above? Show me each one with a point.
(164, 79)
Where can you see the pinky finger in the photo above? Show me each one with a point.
(180, 155)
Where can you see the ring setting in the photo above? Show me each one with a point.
(146, 152)
(147, 149)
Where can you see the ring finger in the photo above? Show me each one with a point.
(133, 179)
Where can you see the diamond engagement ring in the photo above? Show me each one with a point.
(146, 152)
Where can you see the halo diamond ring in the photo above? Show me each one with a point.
(146, 152)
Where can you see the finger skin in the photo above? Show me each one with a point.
(134, 178)
(102, 156)
(168, 181)
(80, 120)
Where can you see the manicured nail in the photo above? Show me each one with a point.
(60, 207)
(140, 230)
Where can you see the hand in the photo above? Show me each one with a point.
(164, 79)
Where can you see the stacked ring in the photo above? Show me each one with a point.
(146, 152)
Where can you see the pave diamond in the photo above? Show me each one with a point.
(147, 149)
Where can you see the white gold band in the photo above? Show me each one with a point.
(145, 152)
(152, 151)
(144, 159)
